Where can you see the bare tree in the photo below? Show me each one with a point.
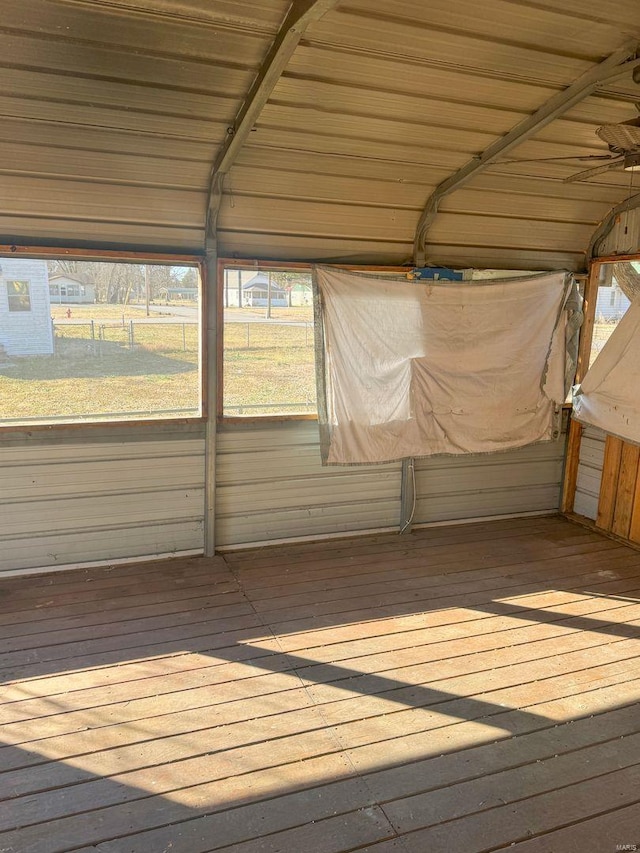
(628, 279)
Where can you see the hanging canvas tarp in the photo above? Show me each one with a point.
(609, 396)
(411, 369)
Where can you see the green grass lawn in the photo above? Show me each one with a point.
(104, 376)
(268, 369)
(105, 311)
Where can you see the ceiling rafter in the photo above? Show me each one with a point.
(618, 63)
(301, 14)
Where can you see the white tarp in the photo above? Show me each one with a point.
(609, 396)
(415, 369)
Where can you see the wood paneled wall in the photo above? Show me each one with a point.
(619, 503)
(619, 498)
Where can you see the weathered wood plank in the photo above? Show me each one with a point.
(612, 831)
(527, 647)
(626, 490)
(315, 616)
(634, 525)
(462, 689)
(180, 694)
(609, 482)
(503, 825)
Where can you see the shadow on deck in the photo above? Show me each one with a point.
(463, 688)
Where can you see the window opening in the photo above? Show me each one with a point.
(95, 341)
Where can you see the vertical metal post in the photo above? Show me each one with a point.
(147, 288)
(407, 495)
(210, 320)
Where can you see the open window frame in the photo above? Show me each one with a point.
(89, 423)
(574, 439)
(225, 264)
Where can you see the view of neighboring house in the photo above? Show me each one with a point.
(186, 294)
(611, 303)
(25, 311)
(66, 288)
(246, 288)
(255, 292)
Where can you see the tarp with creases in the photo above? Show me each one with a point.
(609, 396)
(409, 369)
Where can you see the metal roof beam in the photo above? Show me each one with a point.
(613, 66)
(301, 14)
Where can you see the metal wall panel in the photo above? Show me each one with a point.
(329, 249)
(589, 473)
(434, 41)
(36, 230)
(624, 236)
(271, 485)
(75, 200)
(113, 115)
(551, 26)
(172, 36)
(76, 500)
(517, 481)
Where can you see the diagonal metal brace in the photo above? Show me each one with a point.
(301, 14)
(615, 65)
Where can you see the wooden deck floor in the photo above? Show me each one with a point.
(469, 689)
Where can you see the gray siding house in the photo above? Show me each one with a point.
(65, 289)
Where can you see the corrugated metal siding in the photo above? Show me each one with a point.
(271, 485)
(76, 500)
(624, 236)
(455, 488)
(112, 115)
(589, 473)
(413, 91)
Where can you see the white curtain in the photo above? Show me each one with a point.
(416, 369)
(609, 396)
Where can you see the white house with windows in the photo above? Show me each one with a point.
(259, 290)
(64, 289)
(611, 303)
(25, 312)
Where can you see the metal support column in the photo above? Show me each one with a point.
(210, 287)
(407, 495)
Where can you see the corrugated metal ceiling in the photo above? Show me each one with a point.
(113, 113)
